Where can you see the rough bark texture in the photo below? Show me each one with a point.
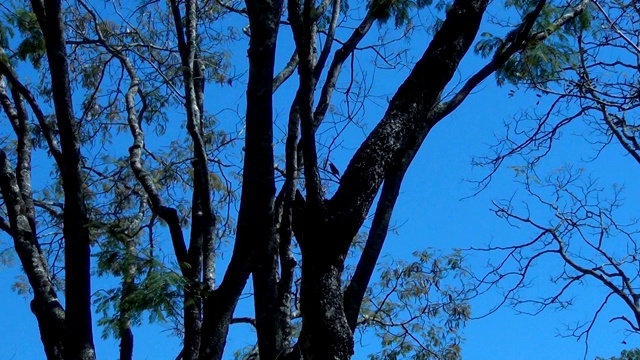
(203, 219)
(323, 228)
(393, 177)
(15, 187)
(408, 112)
(328, 231)
(218, 309)
(284, 215)
(45, 304)
(256, 216)
(255, 248)
(79, 335)
(354, 294)
(325, 331)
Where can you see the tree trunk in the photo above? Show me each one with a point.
(330, 226)
(217, 318)
(325, 332)
(45, 305)
(79, 335)
(256, 215)
(128, 288)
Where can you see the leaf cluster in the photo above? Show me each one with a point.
(539, 61)
(22, 23)
(156, 294)
(399, 10)
(418, 308)
(631, 354)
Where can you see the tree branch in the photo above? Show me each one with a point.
(406, 122)
(52, 142)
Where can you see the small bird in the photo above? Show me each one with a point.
(334, 170)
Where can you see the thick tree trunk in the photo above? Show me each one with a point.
(255, 248)
(468, 13)
(354, 294)
(50, 317)
(325, 331)
(79, 336)
(218, 310)
(256, 215)
(126, 340)
(192, 323)
(329, 226)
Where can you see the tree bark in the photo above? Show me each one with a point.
(394, 175)
(79, 335)
(408, 112)
(17, 194)
(284, 223)
(128, 287)
(219, 308)
(256, 216)
(329, 227)
(255, 248)
(45, 305)
(203, 220)
(325, 332)
(354, 294)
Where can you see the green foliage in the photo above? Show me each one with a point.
(584, 22)
(7, 254)
(147, 288)
(157, 293)
(31, 46)
(21, 286)
(539, 61)
(122, 226)
(384, 10)
(632, 354)
(487, 44)
(6, 33)
(419, 307)
(249, 352)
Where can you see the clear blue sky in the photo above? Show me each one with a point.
(430, 210)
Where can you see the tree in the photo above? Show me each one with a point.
(625, 355)
(584, 230)
(136, 78)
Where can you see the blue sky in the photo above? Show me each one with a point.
(431, 213)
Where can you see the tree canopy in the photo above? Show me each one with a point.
(182, 171)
